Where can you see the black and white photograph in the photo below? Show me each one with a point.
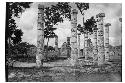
(63, 42)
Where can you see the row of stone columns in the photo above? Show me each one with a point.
(75, 49)
(101, 53)
(103, 43)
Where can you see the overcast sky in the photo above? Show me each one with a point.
(113, 11)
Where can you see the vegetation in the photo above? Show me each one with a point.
(12, 10)
(89, 25)
(53, 15)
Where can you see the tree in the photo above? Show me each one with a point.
(53, 15)
(21, 49)
(88, 27)
(49, 33)
(13, 9)
(82, 7)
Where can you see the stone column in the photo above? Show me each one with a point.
(95, 50)
(40, 35)
(68, 47)
(74, 50)
(56, 43)
(79, 45)
(107, 41)
(86, 44)
(100, 26)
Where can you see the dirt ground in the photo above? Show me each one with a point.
(60, 74)
(53, 72)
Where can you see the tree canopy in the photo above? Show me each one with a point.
(53, 15)
(13, 9)
(82, 7)
(89, 26)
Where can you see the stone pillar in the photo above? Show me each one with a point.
(74, 50)
(86, 44)
(79, 45)
(68, 47)
(95, 50)
(56, 43)
(100, 26)
(107, 41)
(40, 35)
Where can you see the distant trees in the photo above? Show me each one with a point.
(21, 49)
(12, 34)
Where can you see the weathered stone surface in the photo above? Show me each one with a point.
(95, 50)
(85, 45)
(78, 45)
(68, 47)
(63, 50)
(100, 38)
(74, 50)
(40, 35)
(107, 41)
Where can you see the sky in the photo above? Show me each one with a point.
(113, 11)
